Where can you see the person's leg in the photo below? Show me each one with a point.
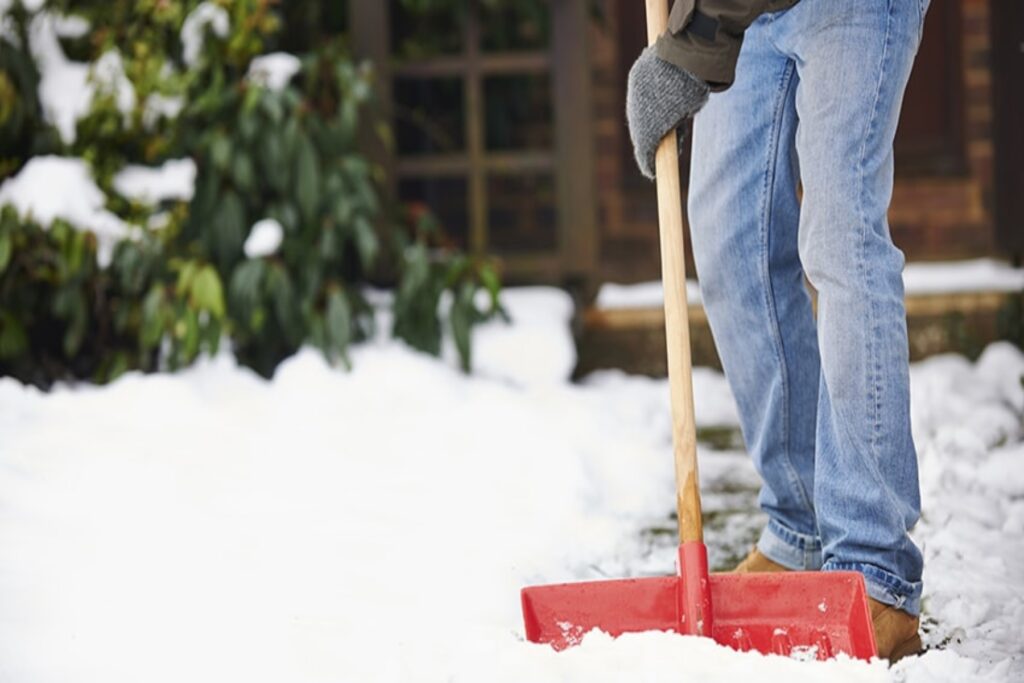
(853, 59)
(744, 216)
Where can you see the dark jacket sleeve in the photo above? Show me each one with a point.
(704, 36)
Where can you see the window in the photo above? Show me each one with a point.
(490, 106)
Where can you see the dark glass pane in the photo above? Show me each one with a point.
(445, 198)
(429, 115)
(309, 23)
(421, 33)
(512, 26)
(519, 113)
(521, 213)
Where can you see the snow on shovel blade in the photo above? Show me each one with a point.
(812, 614)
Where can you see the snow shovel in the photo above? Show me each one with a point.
(810, 614)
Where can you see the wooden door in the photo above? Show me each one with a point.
(1008, 119)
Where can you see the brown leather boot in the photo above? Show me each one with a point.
(896, 633)
(755, 562)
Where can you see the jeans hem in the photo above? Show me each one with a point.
(885, 587)
(789, 548)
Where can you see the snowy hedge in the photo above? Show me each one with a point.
(168, 179)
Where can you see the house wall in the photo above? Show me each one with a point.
(943, 198)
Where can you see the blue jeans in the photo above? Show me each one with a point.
(824, 405)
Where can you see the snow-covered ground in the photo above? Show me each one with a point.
(376, 525)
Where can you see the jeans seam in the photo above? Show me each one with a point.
(872, 361)
(785, 81)
(871, 364)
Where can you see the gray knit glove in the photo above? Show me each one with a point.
(660, 96)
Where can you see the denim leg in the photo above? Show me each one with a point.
(744, 216)
(853, 59)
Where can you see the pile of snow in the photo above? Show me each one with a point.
(205, 16)
(51, 187)
(376, 525)
(614, 296)
(537, 349)
(66, 87)
(64, 90)
(274, 70)
(174, 180)
(952, 277)
(949, 277)
(30, 5)
(161, 106)
(969, 430)
(264, 238)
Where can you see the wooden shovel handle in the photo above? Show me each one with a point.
(677, 325)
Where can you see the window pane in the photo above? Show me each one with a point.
(519, 113)
(446, 198)
(513, 26)
(307, 25)
(429, 115)
(420, 33)
(521, 212)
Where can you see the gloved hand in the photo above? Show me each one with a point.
(659, 97)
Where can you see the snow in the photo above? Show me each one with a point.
(66, 88)
(175, 179)
(161, 106)
(51, 187)
(30, 5)
(264, 238)
(949, 277)
(537, 350)
(376, 525)
(71, 26)
(613, 296)
(274, 70)
(205, 15)
(108, 75)
(969, 430)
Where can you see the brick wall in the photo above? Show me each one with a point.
(627, 212)
(940, 209)
(952, 217)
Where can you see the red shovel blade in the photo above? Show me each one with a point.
(818, 614)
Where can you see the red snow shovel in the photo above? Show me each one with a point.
(816, 614)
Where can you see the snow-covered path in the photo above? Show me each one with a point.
(377, 525)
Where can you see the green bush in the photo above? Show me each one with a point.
(23, 131)
(61, 315)
(291, 155)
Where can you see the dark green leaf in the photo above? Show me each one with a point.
(220, 152)
(273, 160)
(6, 248)
(245, 287)
(462, 317)
(13, 339)
(190, 340)
(307, 179)
(366, 241)
(338, 323)
(229, 229)
(242, 172)
(152, 318)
